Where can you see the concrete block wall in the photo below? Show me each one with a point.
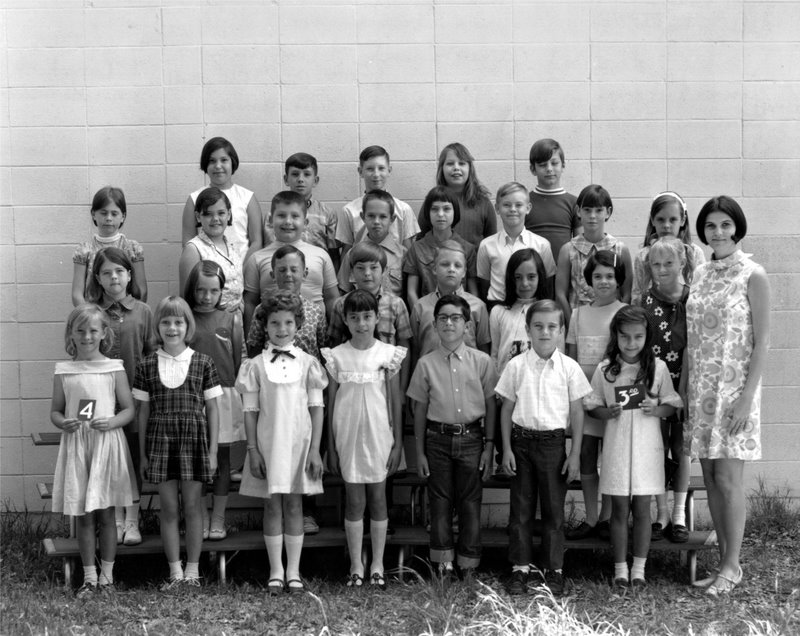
(700, 97)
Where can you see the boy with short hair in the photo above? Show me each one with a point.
(453, 388)
(450, 267)
(288, 218)
(378, 215)
(542, 391)
(513, 205)
(301, 175)
(374, 167)
(552, 214)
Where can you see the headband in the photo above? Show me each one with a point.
(677, 197)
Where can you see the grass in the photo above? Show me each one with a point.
(33, 600)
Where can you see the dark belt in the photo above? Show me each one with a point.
(529, 433)
(454, 429)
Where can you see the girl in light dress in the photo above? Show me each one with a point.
(633, 453)
(364, 428)
(218, 334)
(177, 389)
(282, 393)
(94, 471)
(108, 213)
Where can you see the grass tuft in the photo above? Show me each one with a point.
(772, 512)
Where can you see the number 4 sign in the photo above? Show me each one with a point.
(86, 410)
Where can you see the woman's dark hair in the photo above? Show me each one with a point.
(214, 144)
(726, 205)
(94, 290)
(594, 196)
(359, 300)
(630, 315)
(517, 259)
(436, 194)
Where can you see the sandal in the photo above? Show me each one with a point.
(704, 583)
(217, 530)
(297, 588)
(377, 580)
(723, 585)
(354, 580)
(275, 586)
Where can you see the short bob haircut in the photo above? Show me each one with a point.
(110, 194)
(607, 258)
(378, 195)
(214, 144)
(209, 197)
(437, 194)
(114, 255)
(288, 197)
(287, 250)
(457, 301)
(80, 316)
(509, 188)
(370, 152)
(544, 307)
(594, 196)
(367, 252)
(173, 306)
(281, 300)
(543, 150)
(301, 160)
(358, 301)
(726, 205)
(206, 268)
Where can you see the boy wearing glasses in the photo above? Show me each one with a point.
(453, 390)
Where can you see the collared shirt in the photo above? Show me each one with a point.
(494, 252)
(542, 390)
(455, 384)
(580, 292)
(476, 331)
(131, 321)
(393, 324)
(420, 257)
(172, 371)
(392, 278)
(350, 222)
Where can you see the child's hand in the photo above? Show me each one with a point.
(615, 410)
(258, 468)
(394, 459)
(649, 405)
(333, 462)
(509, 464)
(70, 424)
(572, 467)
(314, 465)
(212, 462)
(101, 424)
(144, 464)
(423, 470)
(485, 464)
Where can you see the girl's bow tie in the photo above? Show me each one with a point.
(281, 352)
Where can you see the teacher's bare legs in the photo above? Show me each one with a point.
(726, 501)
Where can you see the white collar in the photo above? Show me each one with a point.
(181, 357)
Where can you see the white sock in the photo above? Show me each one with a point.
(663, 513)
(119, 515)
(525, 569)
(679, 509)
(132, 514)
(446, 566)
(192, 570)
(175, 571)
(637, 571)
(377, 533)
(106, 572)
(354, 531)
(294, 546)
(274, 543)
(90, 574)
(621, 571)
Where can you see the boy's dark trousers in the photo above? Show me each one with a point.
(455, 482)
(540, 457)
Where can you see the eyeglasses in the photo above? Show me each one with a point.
(443, 319)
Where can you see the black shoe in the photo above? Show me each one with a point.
(583, 531)
(657, 533)
(468, 574)
(621, 583)
(554, 580)
(678, 534)
(518, 585)
(603, 530)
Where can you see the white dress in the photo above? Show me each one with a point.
(281, 389)
(633, 452)
(361, 429)
(94, 470)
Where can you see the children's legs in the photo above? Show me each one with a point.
(468, 494)
(273, 535)
(549, 458)
(222, 485)
(169, 517)
(641, 525)
(620, 510)
(86, 539)
(355, 503)
(522, 503)
(440, 496)
(132, 511)
(589, 478)
(293, 534)
(680, 481)
(192, 492)
(108, 544)
(379, 520)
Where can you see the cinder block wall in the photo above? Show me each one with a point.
(699, 97)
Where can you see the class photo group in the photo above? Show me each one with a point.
(509, 331)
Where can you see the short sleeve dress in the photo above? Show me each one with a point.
(719, 325)
(633, 451)
(361, 428)
(177, 431)
(94, 470)
(281, 389)
(86, 252)
(230, 263)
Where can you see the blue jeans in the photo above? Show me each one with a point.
(540, 457)
(455, 482)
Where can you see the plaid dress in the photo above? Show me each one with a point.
(177, 432)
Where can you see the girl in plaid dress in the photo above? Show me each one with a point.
(177, 441)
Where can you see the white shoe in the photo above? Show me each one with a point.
(120, 532)
(132, 534)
